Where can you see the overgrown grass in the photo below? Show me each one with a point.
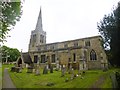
(30, 80)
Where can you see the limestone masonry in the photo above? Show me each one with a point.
(83, 54)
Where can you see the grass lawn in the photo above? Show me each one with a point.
(0, 77)
(30, 80)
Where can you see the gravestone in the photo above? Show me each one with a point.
(63, 70)
(37, 71)
(17, 69)
(35, 68)
(45, 70)
(13, 69)
(20, 68)
(51, 69)
(60, 67)
(47, 66)
(57, 65)
(29, 69)
(70, 69)
(72, 75)
(66, 80)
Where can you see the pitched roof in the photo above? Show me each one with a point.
(26, 58)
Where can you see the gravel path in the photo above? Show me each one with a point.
(7, 82)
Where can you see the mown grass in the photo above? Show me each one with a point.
(0, 77)
(30, 80)
(107, 83)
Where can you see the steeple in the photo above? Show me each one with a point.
(39, 22)
(38, 36)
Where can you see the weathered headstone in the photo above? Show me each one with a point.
(60, 67)
(35, 68)
(51, 69)
(13, 69)
(17, 69)
(57, 65)
(72, 75)
(70, 69)
(29, 69)
(45, 70)
(63, 70)
(47, 66)
(37, 71)
(20, 70)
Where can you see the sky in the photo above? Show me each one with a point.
(62, 20)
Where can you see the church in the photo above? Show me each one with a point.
(83, 54)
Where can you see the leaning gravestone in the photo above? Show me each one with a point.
(51, 69)
(45, 71)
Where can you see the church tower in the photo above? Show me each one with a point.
(38, 36)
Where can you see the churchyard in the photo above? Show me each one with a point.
(58, 79)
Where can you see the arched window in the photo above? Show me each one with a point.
(93, 55)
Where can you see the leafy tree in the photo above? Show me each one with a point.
(109, 28)
(10, 53)
(11, 13)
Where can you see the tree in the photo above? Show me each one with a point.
(109, 29)
(11, 13)
(9, 53)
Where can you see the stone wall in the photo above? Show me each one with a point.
(65, 54)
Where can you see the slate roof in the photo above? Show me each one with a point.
(26, 58)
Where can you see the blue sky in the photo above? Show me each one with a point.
(62, 20)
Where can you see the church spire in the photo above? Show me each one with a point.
(39, 22)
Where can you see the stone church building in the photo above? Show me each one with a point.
(85, 53)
